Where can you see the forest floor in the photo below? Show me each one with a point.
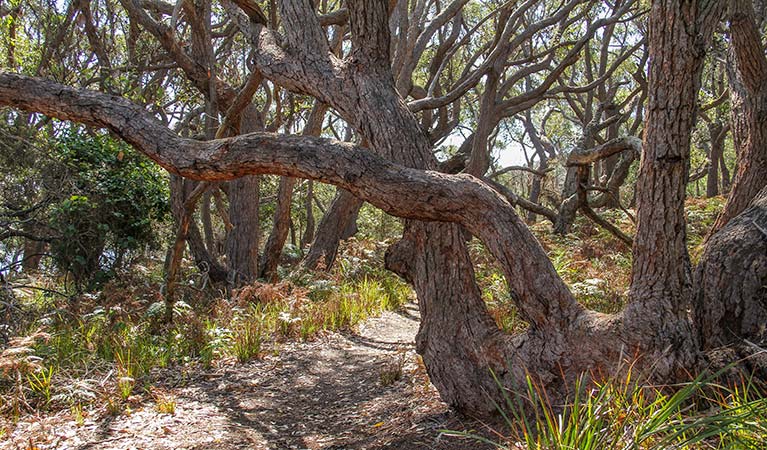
(361, 390)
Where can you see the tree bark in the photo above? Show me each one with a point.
(716, 131)
(308, 235)
(180, 190)
(726, 311)
(748, 96)
(657, 317)
(207, 221)
(243, 242)
(330, 231)
(609, 165)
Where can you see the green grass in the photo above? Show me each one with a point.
(623, 414)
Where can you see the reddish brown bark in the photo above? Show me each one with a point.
(748, 96)
(660, 294)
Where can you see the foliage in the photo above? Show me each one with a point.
(621, 413)
(118, 197)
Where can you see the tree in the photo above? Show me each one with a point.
(458, 340)
(748, 86)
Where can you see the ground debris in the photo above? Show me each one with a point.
(325, 394)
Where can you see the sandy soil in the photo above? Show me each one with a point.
(326, 394)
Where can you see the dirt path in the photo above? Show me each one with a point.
(329, 394)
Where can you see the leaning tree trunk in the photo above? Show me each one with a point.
(180, 190)
(748, 96)
(728, 311)
(331, 229)
(281, 227)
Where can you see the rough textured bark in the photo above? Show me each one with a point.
(242, 245)
(660, 293)
(243, 241)
(728, 312)
(748, 96)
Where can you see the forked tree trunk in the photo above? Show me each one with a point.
(180, 190)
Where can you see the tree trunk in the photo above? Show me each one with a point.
(308, 235)
(535, 189)
(609, 165)
(242, 245)
(731, 280)
(243, 242)
(279, 234)
(715, 130)
(331, 230)
(180, 190)
(32, 255)
(725, 174)
(747, 75)
(280, 229)
(657, 317)
(207, 221)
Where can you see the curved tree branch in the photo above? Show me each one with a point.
(541, 295)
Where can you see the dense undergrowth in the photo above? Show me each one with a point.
(102, 352)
